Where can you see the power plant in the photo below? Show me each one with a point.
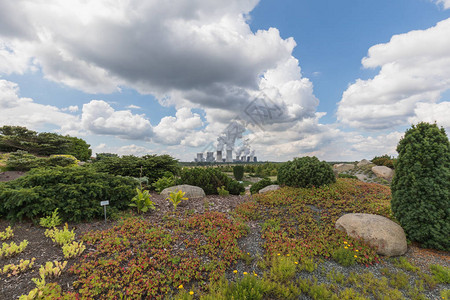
(227, 140)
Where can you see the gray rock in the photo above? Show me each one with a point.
(379, 232)
(383, 172)
(343, 167)
(190, 190)
(272, 187)
(363, 163)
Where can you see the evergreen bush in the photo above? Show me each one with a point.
(305, 172)
(260, 185)
(209, 179)
(153, 166)
(75, 192)
(238, 172)
(23, 161)
(421, 186)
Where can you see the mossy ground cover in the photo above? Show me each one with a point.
(193, 254)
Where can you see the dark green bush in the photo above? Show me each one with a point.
(305, 172)
(421, 186)
(238, 172)
(76, 192)
(23, 161)
(260, 185)
(209, 179)
(153, 166)
(235, 188)
(384, 160)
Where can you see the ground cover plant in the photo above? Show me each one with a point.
(272, 246)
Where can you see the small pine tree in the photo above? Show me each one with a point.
(238, 172)
(421, 186)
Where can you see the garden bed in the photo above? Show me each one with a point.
(178, 252)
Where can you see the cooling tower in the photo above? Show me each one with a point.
(219, 156)
(229, 156)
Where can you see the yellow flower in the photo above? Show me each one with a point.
(356, 250)
(346, 247)
(255, 274)
(288, 255)
(235, 271)
(356, 256)
(245, 273)
(248, 253)
(296, 262)
(278, 254)
(180, 286)
(345, 242)
(191, 293)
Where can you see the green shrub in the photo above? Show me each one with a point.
(421, 186)
(260, 185)
(209, 179)
(305, 172)
(440, 273)
(51, 221)
(235, 188)
(23, 161)
(222, 191)
(238, 172)
(384, 160)
(153, 166)
(62, 160)
(344, 257)
(76, 192)
(163, 183)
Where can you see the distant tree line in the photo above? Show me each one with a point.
(13, 138)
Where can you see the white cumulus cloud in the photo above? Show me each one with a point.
(444, 3)
(414, 70)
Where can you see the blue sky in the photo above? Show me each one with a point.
(344, 79)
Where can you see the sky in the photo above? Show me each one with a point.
(340, 80)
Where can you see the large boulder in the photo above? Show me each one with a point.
(190, 190)
(272, 187)
(379, 232)
(339, 168)
(383, 172)
(363, 163)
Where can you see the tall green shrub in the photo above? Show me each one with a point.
(75, 192)
(238, 172)
(260, 185)
(305, 172)
(421, 186)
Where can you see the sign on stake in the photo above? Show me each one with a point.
(104, 203)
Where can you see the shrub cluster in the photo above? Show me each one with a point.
(384, 160)
(305, 172)
(209, 179)
(421, 186)
(153, 166)
(24, 161)
(260, 185)
(76, 192)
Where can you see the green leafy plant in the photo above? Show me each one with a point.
(73, 249)
(421, 185)
(222, 191)
(305, 172)
(61, 237)
(176, 197)
(8, 233)
(209, 179)
(344, 257)
(142, 201)
(51, 221)
(440, 273)
(52, 269)
(283, 268)
(308, 264)
(13, 270)
(12, 249)
(384, 160)
(163, 183)
(238, 172)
